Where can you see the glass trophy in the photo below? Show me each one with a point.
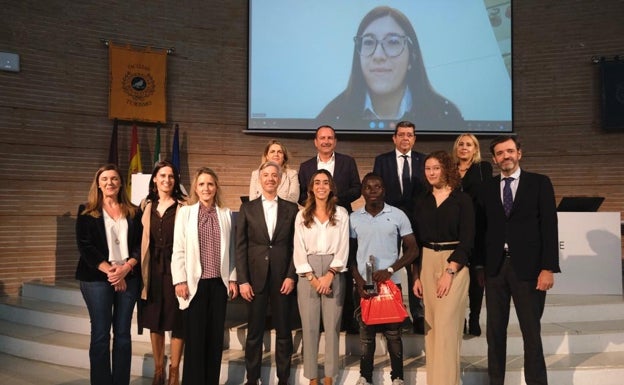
(370, 287)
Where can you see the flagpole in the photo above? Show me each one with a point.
(113, 155)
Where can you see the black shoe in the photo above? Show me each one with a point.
(419, 325)
(474, 328)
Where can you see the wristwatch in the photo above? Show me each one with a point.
(390, 270)
(310, 276)
(450, 271)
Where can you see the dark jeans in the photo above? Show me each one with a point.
(109, 308)
(392, 332)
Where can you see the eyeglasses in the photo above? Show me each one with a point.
(393, 44)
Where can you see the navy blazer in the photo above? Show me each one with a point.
(91, 238)
(255, 251)
(386, 167)
(530, 231)
(346, 178)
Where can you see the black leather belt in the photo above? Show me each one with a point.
(440, 246)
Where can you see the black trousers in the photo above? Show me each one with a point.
(475, 294)
(282, 307)
(529, 304)
(203, 345)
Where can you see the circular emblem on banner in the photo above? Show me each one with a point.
(138, 86)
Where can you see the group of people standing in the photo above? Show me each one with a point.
(443, 217)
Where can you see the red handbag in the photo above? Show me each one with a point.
(384, 308)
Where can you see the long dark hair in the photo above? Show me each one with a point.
(310, 204)
(176, 194)
(430, 105)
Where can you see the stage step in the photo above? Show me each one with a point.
(583, 339)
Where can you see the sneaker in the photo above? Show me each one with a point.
(397, 381)
(362, 381)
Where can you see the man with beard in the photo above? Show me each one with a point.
(519, 242)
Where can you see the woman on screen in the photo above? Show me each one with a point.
(388, 79)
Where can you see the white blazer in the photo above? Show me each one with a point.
(185, 260)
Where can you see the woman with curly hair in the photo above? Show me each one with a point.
(446, 231)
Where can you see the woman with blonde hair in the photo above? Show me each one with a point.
(473, 172)
(321, 251)
(204, 276)
(288, 189)
(108, 232)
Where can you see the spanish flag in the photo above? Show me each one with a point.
(137, 84)
(135, 160)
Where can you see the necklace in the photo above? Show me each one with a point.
(115, 229)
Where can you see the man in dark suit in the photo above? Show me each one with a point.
(341, 166)
(347, 180)
(519, 240)
(265, 271)
(403, 185)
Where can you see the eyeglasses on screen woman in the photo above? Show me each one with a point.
(392, 44)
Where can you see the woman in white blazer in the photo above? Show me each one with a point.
(204, 276)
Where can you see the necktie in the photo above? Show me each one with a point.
(405, 177)
(507, 196)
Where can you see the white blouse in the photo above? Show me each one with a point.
(322, 239)
(116, 238)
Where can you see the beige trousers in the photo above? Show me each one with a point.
(444, 318)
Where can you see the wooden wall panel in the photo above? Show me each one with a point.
(55, 130)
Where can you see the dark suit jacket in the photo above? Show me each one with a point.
(91, 238)
(255, 250)
(386, 167)
(530, 231)
(346, 178)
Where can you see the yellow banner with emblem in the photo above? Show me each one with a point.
(137, 84)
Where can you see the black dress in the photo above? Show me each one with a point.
(160, 310)
(474, 177)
